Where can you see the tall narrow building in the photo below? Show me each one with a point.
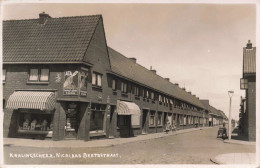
(248, 83)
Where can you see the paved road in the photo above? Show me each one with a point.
(190, 148)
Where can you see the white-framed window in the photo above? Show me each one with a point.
(124, 87)
(152, 95)
(34, 75)
(113, 84)
(184, 120)
(4, 73)
(136, 90)
(159, 121)
(147, 94)
(152, 118)
(39, 75)
(44, 75)
(96, 79)
(243, 83)
(160, 98)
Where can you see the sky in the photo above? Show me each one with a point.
(199, 46)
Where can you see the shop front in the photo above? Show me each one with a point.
(128, 118)
(35, 111)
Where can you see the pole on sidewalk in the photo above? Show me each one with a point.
(230, 93)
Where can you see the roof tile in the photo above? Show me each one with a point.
(58, 40)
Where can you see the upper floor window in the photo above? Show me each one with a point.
(4, 72)
(114, 84)
(124, 87)
(152, 95)
(96, 79)
(147, 94)
(136, 91)
(41, 75)
(160, 98)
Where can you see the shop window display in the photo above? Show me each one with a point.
(97, 117)
(35, 122)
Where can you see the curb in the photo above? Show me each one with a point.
(240, 142)
(214, 161)
(109, 144)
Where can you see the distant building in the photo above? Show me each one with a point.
(248, 83)
(215, 117)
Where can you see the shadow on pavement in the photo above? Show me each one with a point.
(237, 136)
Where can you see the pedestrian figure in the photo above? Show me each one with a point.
(224, 133)
(167, 127)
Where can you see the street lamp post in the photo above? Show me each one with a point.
(230, 93)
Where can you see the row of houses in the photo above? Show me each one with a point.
(62, 81)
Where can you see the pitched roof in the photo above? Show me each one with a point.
(222, 114)
(205, 104)
(58, 40)
(125, 67)
(249, 61)
(214, 111)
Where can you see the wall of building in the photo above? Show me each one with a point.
(251, 108)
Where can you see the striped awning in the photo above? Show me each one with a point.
(31, 100)
(128, 108)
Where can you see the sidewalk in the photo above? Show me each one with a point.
(92, 143)
(240, 142)
(235, 158)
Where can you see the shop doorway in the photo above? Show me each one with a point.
(124, 125)
(72, 121)
(144, 121)
(165, 117)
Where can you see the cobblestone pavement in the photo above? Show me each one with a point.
(195, 147)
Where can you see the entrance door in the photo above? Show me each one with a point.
(144, 122)
(124, 125)
(71, 127)
(165, 120)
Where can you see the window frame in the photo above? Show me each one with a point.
(114, 84)
(159, 119)
(3, 74)
(152, 117)
(95, 81)
(243, 83)
(124, 87)
(39, 74)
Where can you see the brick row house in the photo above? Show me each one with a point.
(215, 116)
(247, 114)
(62, 81)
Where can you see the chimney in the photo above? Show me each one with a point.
(176, 84)
(183, 89)
(43, 17)
(153, 70)
(168, 79)
(133, 59)
(249, 45)
(189, 92)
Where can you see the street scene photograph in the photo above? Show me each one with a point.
(129, 84)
